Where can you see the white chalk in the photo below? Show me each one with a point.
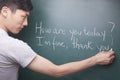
(111, 49)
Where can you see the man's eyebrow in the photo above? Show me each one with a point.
(27, 14)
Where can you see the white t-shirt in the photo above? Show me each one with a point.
(13, 54)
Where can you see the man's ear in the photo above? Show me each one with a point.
(4, 11)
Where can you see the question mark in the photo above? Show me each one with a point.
(112, 31)
(112, 26)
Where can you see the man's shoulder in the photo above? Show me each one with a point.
(17, 42)
(12, 42)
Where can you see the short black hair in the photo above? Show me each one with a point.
(25, 5)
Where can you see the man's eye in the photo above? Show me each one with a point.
(23, 16)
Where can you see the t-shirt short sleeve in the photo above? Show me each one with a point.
(21, 53)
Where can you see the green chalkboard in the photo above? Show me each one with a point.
(71, 30)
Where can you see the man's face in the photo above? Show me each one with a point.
(16, 21)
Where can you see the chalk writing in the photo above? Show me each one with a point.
(80, 39)
(78, 45)
(113, 25)
(41, 30)
(88, 33)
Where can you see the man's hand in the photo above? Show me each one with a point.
(105, 57)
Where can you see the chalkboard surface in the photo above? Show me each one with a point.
(71, 30)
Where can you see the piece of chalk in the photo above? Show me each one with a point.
(111, 49)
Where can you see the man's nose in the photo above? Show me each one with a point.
(25, 23)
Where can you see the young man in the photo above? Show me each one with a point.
(15, 53)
